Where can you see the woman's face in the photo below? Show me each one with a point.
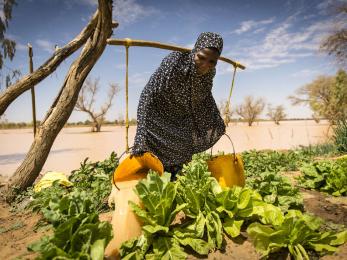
(205, 60)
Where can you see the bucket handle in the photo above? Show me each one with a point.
(113, 181)
(232, 144)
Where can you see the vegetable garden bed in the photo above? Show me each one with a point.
(219, 224)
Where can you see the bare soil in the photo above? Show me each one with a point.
(17, 231)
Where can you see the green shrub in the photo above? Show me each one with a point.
(340, 136)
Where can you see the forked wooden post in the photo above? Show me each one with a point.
(127, 100)
(31, 69)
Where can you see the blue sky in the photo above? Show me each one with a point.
(278, 41)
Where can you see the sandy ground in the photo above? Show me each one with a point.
(73, 145)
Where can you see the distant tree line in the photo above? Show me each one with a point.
(326, 96)
(16, 125)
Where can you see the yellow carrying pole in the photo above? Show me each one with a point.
(126, 99)
(228, 102)
(131, 42)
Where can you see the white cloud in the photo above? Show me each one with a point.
(251, 24)
(129, 11)
(259, 30)
(285, 44)
(124, 11)
(45, 45)
(305, 73)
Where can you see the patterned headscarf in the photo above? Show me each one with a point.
(177, 115)
(209, 40)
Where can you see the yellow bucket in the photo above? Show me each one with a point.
(227, 169)
(125, 223)
(137, 167)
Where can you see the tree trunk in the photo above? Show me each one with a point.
(98, 127)
(63, 106)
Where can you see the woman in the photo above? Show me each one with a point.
(177, 115)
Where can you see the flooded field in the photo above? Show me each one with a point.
(74, 144)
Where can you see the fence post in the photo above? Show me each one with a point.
(31, 69)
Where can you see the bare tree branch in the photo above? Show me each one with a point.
(225, 111)
(86, 101)
(276, 114)
(27, 82)
(336, 43)
(250, 109)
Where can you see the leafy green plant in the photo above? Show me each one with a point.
(340, 136)
(73, 212)
(80, 237)
(61, 209)
(209, 213)
(297, 232)
(326, 175)
(202, 230)
(256, 162)
(235, 205)
(277, 190)
(336, 182)
(323, 149)
(95, 178)
(42, 199)
(157, 195)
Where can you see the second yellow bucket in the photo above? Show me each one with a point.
(227, 169)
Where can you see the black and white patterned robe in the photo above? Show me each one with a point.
(177, 115)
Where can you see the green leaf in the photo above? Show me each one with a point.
(168, 248)
(154, 229)
(303, 252)
(269, 214)
(97, 249)
(198, 245)
(214, 229)
(341, 238)
(232, 227)
(260, 235)
(322, 247)
(244, 198)
(142, 214)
